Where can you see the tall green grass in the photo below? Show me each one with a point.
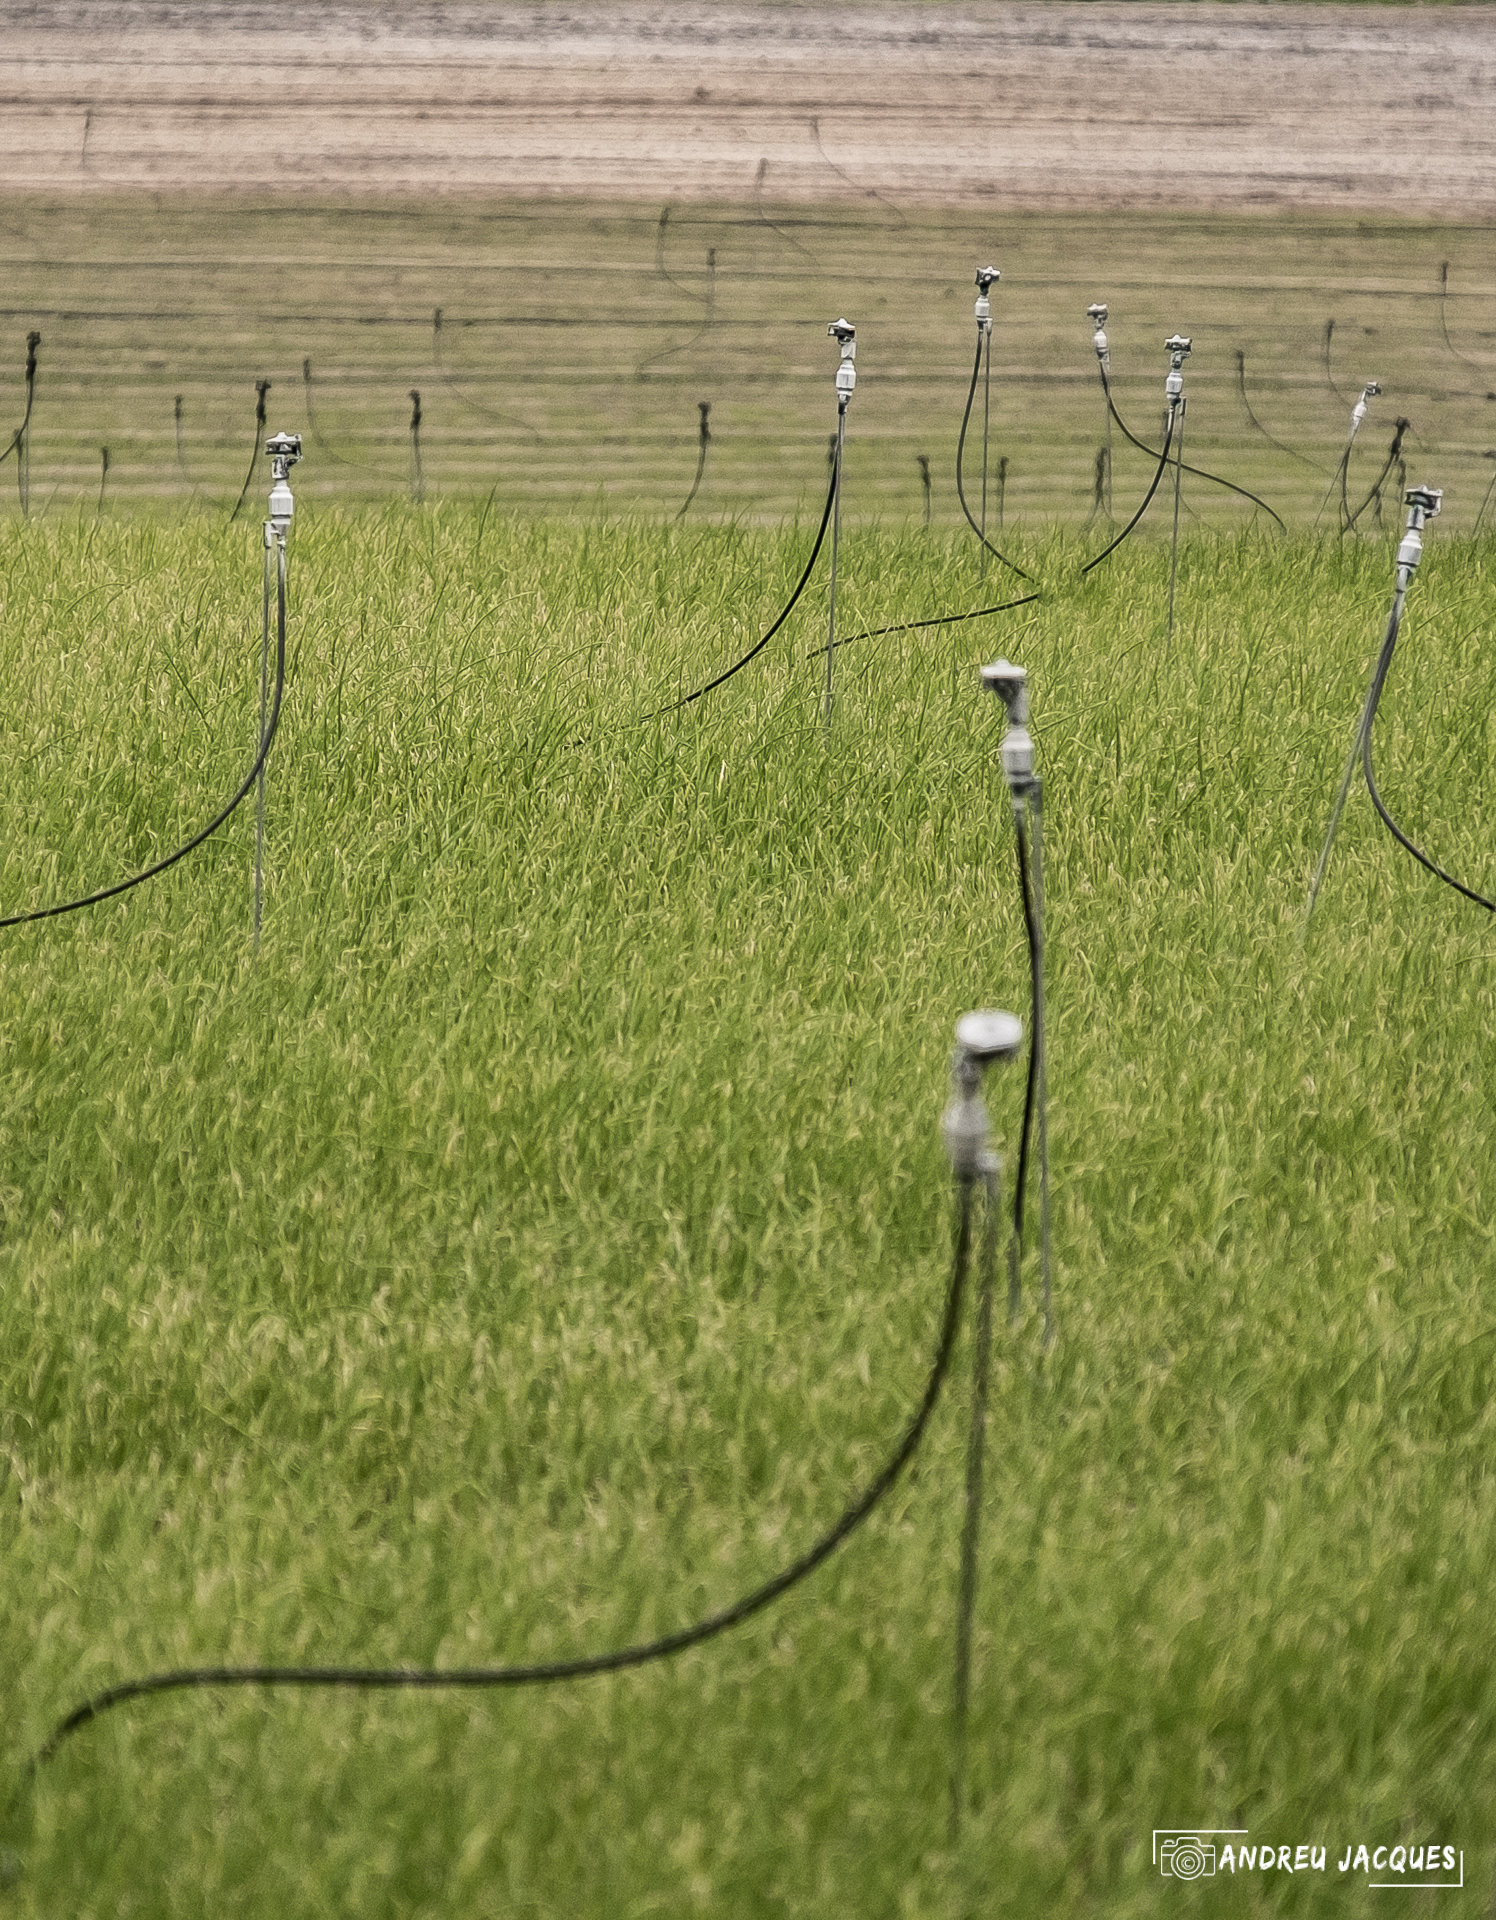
(531, 1244)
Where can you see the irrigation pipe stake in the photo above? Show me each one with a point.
(1177, 346)
(986, 276)
(981, 1038)
(1026, 791)
(284, 450)
(1422, 503)
(1096, 313)
(1341, 474)
(845, 334)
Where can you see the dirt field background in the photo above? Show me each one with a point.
(1204, 106)
(568, 226)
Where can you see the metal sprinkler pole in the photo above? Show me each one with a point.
(986, 276)
(1177, 346)
(1342, 472)
(1422, 503)
(1026, 792)
(845, 334)
(981, 1038)
(1096, 313)
(284, 450)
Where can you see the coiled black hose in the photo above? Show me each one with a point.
(205, 833)
(583, 1666)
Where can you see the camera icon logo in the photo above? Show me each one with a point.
(1186, 1858)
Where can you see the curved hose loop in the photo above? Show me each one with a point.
(33, 341)
(971, 394)
(1394, 453)
(205, 833)
(1272, 438)
(1200, 473)
(784, 613)
(704, 440)
(1163, 462)
(584, 1666)
(1383, 666)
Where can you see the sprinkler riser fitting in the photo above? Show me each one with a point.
(1423, 503)
(981, 1038)
(845, 333)
(284, 450)
(986, 276)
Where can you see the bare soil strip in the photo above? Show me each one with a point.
(1040, 105)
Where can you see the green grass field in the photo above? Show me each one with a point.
(529, 1247)
(577, 340)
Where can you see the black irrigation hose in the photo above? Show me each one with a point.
(583, 1666)
(1394, 453)
(940, 620)
(704, 440)
(1027, 599)
(189, 846)
(262, 387)
(971, 394)
(1153, 485)
(1271, 438)
(17, 439)
(1474, 365)
(784, 613)
(1383, 666)
(1200, 473)
(1031, 1085)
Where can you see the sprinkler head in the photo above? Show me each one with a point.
(284, 450)
(981, 1038)
(985, 278)
(845, 334)
(1016, 749)
(989, 1035)
(1010, 684)
(1177, 346)
(1371, 390)
(1422, 503)
(1097, 312)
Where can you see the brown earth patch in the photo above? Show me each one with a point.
(1039, 105)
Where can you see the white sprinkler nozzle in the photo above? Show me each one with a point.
(1358, 412)
(1423, 504)
(1177, 346)
(1097, 313)
(986, 276)
(981, 1038)
(845, 334)
(284, 450)
(1016, 750)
